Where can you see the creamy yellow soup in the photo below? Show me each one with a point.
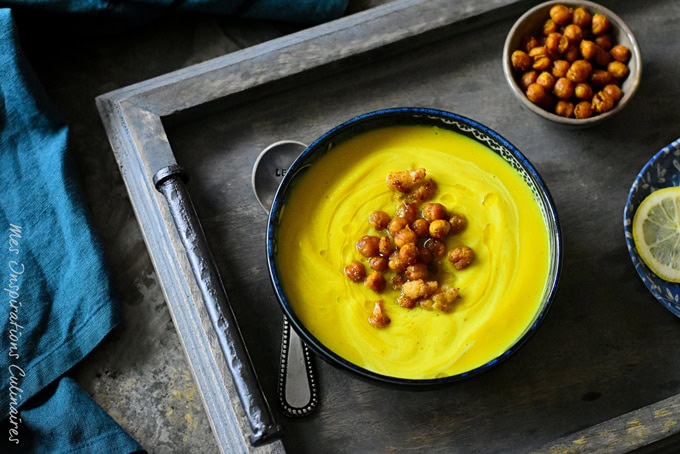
(327, 211)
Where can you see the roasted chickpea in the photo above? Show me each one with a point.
(546, 79)
(583, 91)
(573, 33)
(542, 63)
(604, 41)
(549, 27)
(461, 257)
(564, 88)
(600, 24)
(406, 302)
(385, 246)
(401, 181)
(424, 255)
(379, 220)
(527, 79)
(602, 102)
(617, 69)
(424, 191)
(583, 110)
(355, 271)
(458, 223)
(375, 281)
(529, 42)
(521, 60)
(588, 49)
(378, 263)
(444, 298)
(536, 93)
(396, 224)
(439, 228)
(560, 14)
(620, 53)
(602, 57)
(600, 77)
(408, 211)
(436, 247)
(408, 253)
(403, 236)
(572, 54)
(419, 288)
(582, 17)
(433, 211)
(564, 108)
(538, 52)
(556, 44)
(397, 281)
(378, 317)
(421, 227)
(614, 91)
(559, 68)
(395, 263)
(368, 245)
(417, 271)
(579, 71)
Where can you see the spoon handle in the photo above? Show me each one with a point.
(298, 394)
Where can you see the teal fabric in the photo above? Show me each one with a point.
(56, 303)
(63, 419)
(296, 11)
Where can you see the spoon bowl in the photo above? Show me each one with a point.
(270, 167)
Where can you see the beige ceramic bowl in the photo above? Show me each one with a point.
(531, 22)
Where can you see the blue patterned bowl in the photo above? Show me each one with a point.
(425, 117)
(662, 171)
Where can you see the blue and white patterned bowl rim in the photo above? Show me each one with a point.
(662, 171)
(448, 120)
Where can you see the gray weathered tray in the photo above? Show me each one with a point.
(601, 374)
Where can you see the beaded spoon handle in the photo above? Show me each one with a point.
(298, 394)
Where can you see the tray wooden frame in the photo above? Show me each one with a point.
(133, 117)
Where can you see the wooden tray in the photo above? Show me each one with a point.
(601, 374)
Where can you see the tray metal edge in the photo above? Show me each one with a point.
(181, 292)
(298, 52)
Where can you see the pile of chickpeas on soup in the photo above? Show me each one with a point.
(572, 67)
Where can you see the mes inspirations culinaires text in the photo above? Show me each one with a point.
(12, 292)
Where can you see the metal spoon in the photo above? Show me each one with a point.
(297, 382)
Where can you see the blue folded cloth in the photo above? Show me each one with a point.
(56, 300)
(56, 303)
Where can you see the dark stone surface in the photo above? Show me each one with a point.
(139, 374)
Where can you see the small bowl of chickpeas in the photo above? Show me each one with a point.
(573, 63)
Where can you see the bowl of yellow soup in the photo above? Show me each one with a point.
(482, 232)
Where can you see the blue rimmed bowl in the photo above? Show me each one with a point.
(662, 171)
(372, 121)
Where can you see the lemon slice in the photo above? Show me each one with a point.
(656, 232)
